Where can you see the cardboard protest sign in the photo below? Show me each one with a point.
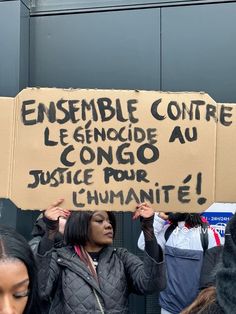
(6, 138)
(226, 155)
(111, 149)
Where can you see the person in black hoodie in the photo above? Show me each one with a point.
(40, 229)
(226, 275)
(211, 261)
(40, 236)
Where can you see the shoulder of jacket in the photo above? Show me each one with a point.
(35, 240)
(63, 252)
(120, 250)
(123, 253)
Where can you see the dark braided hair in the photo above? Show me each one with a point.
(191, 219)
(194, 220)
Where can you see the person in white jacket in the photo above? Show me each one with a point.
(184, 237)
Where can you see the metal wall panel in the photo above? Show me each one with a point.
(49, 5)
(10, 47)
(199, 48)
(118, 49)
(9, 77)
(14, 42)
(24, 47)
(14, 73)
(55, 6)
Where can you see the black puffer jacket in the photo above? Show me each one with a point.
(226, 275)
(68, 281)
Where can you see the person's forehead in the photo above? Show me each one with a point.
(100, 214)
(13, 267)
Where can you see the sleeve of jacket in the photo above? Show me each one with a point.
(48, 274)
(214, 238)
(143, 277)
(211, 261)
(34, 243)
(159, 226)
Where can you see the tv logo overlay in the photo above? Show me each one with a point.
(218, 221)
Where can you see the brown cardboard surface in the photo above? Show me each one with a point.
(173, 169)
(226, 155)
(6, 137)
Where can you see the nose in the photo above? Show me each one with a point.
(6, 306)
(108, 225)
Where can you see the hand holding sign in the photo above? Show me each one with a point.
(54, 211)
(143, 210)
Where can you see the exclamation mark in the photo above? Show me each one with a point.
(201, 200)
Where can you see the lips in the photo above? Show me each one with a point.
(109, 234)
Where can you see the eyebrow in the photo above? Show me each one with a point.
(99, 215)
(21, 283)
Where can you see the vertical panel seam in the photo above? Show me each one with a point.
(160, 48)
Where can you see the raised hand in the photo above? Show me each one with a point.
(54, 211)
(143, 210)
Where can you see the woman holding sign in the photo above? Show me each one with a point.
(87, 275)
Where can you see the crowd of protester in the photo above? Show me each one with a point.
(70, 265)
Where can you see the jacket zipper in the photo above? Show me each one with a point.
(99, 303)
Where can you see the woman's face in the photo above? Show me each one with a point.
(100, 231)
(14, 286)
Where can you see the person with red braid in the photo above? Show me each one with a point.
(87, 275)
